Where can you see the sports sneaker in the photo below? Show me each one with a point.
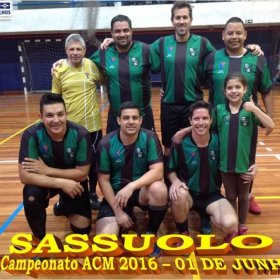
(205, 226)
(57, 208)
(184, 233)
(94, 201)
(157, 252)
(242, 231)
(253, 206)
(230, 236)
(37, 258)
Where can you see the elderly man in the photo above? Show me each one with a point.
(76, 81)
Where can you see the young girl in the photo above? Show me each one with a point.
(236, 122)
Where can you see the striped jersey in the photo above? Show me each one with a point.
(74, 150)
(237, 137)
(181, 64)
(197, 167)
(127, 163)
(219, 64)
(128, 74)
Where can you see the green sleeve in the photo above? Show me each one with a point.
(96, 58)
(154, 61)
(265, 81)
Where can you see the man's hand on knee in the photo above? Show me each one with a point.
(174, 191)
(123, 219)
(70, 187)
(123, 195)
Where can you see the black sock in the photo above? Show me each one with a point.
(166, 180)
(182, 226)
(156, 216)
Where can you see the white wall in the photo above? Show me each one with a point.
(147, 17)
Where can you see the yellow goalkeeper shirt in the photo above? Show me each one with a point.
(78, 88)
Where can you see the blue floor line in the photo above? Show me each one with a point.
(10, 219)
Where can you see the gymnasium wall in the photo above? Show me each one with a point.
(14, 32)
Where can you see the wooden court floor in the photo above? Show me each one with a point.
(18, 112)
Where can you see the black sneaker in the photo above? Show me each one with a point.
(57, 208)
(94, 201)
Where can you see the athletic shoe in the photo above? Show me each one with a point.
(183, 233)
(57, 208)
(230, 236)
(157, 252)
(205, 226)
(242, 231)
(94, 201)
(37, 258)
(253, 206)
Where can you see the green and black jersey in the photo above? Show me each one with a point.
(127, 163)
(219, 64)
(74, 150)
(181, 64)
(237, 138)
(197, 167)
(128, 74)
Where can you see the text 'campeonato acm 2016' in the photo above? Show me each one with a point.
(104, 254)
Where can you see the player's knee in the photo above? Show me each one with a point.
(77, 230)
(229, 222)
(182, 198)
(34, 196)
(158, 191)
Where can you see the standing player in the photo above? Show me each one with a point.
(234, 57)
(181, 56)
(130, 169)
(54, 158)
(76, 82)
(127, 64)
(235, 122)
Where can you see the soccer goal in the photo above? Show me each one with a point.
(38, 55)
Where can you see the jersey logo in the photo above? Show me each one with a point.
(45, 149)
(193, 157)
(117, 156)
(245, 121)
(193, 52)
(139, 153)
(213, 156)
(71, 152)
(87, 74)
(112, 62)
(169, 51)
(249, 68)
(221, 67)
(227, 119)
(135, 61)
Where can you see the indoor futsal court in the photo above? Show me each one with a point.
(20, 111)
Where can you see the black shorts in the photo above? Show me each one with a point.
(200, 203)
(173, 118)
(80, 205)
(147, 123)
(106, 210)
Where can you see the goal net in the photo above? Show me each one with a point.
(38, 55)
